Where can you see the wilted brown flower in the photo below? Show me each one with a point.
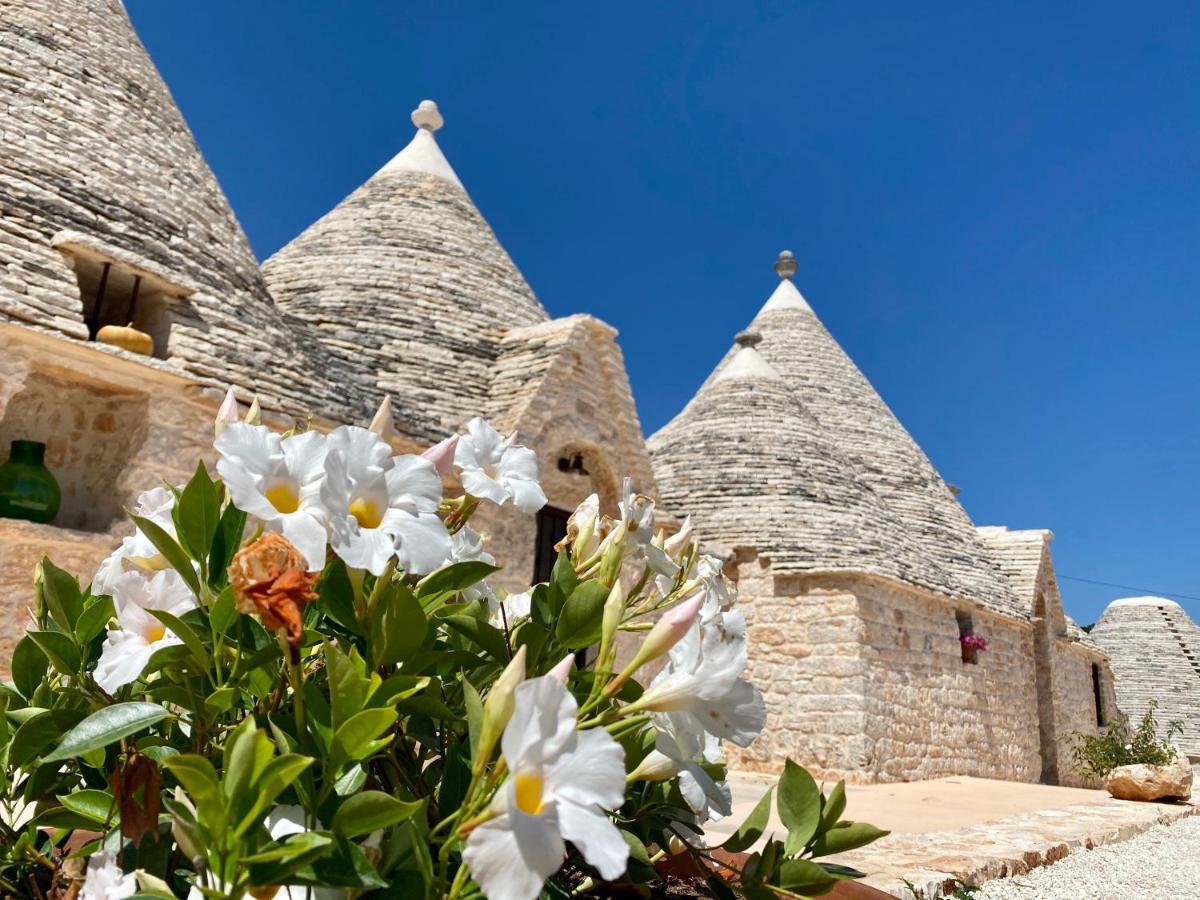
(135, 788)
(271, 578)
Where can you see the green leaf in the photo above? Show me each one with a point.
(846, 836)
(105, 726)
(349, 685)
(835, 805)
(563, 582)
(185, 633)
(276, 777)
(225, 544)
(224, 611)
(359, 736)
(61, 592)
(197, 515)
(296, 845)
(28, 666)
(752, 829)
(97, 806)
(335, 596)
(371, 810)
(805, 877)
(799, 803)
(580, 619)
(93, 619)
(39, 732)
(220, 700)
(488, 639)
(167, 546)
(397, 688)
(398, 626)
(474, 707)
(59, 648)
(454, 578)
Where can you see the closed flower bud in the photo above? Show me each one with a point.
(384, 424)
(226, 413)
(254, 413)
(680, 540)
(441, 455)
(562, 671)
(498, 707)
(612, 552)
(655, 767)
(666, 633)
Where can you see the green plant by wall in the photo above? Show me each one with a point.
(1118, 745)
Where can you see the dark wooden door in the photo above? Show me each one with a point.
(551, 528)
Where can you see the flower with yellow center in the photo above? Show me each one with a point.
(381, 507)
(136, 551)
(563, 781)
(277, 480)
(128, 648)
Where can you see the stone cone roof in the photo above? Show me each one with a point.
(98, 159)
(405, 280)
(754, 468)
(876, 449)
(1154, 647)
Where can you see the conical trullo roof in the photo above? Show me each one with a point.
(405, 280)
(886, 457)
(753, 468)
(1154, 648)
(98, 167)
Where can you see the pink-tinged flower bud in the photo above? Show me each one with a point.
(670, 629)
(563, 670)
(680, 540)
(254, 414)
(226, 413)
(384, 424)
(441, 455)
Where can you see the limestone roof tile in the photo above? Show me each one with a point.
(1154, 648)
(406, 280)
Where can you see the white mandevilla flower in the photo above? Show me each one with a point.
(105, 880)
(688, 749)
(278, 481)
(466, 545)
(562, 782)
(380, 507)
(137, 551)
(637, 512)
(496, 470)
(282, 822)
(510, 609)
(127, 649)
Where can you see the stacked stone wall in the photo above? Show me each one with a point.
(1075, 704)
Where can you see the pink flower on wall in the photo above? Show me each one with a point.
(973, 642)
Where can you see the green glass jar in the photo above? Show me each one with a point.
(27, 488)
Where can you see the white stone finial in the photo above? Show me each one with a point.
(748, 338)
(426, 116)
(785, 266)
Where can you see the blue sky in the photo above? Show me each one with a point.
(995, 207)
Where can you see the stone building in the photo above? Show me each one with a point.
(1155, 650)
(860, 574)
(859, 569)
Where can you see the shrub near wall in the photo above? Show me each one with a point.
(297, 675)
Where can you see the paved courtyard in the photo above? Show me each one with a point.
(971, 829)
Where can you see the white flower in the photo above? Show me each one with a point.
(702, 681)
(637, 513)
(515, 606)
(583, 530)
(495, 470)
(380, 507)
(562, 781)
(721, 595)
(127, 649)
(105, 880)
(466, 545)
(136, 551)
(687, 748)
(282, 822)
(278, 481)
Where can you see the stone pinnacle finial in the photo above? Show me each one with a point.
(785, 266)
(426, 116)
(747, 339)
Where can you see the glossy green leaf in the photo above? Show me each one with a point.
(223, 613)
(92, 804)
(197, 515)
(799, 802)
(335, 596)
(59, 648)
(474, 707)
(185, 633)
(456, 577)
(398, 626)
(360, 736)
(752, 829)
(28, 666)
(563, 582)
(846, 836)
(93, 620)
(40, 732)
(61, 592)
(296, 845)
(226, 542)
(805, 877)
(488, 639)
(105, 726)
(835, 805)
(170, 549)
(580, 619)
(369, 811)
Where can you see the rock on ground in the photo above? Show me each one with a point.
(1163, 863)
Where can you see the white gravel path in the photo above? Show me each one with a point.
(1161, 864)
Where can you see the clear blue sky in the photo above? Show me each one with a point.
(996, 207)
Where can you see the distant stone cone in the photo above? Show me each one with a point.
(1139, 782)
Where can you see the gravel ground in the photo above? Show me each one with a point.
(1160, 864)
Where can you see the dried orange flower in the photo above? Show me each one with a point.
(270, 577)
